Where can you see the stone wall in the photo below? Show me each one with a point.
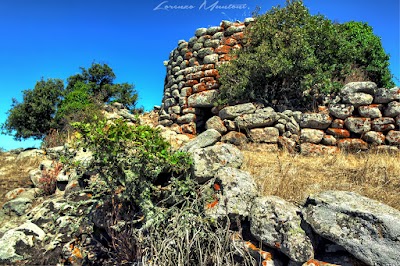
(191, 82)
(361, 117)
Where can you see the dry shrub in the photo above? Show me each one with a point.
(293, 177)
(48, 181)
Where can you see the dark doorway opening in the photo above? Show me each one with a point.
(202, 115)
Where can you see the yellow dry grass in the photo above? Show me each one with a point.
(15, 173)
(294, 177)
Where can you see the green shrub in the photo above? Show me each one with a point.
(132, 159)
(290, 57)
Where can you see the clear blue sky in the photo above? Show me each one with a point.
(53, 38)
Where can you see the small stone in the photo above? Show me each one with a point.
(210, 59)
(235, 138)
(338, 133)
(200, 32)
(216, 123)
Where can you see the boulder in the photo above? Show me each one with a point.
(358, 125)
(202, 99)
(311, 135)
(277, 223)
(16, 243)
(370, 111)
(341, 111)
(30, 153)
(186, 119)
(352, 145)
(383, 95)
(315, 121)
(383, 124)
(393, 137)
(261, 118)
(266, 135)
(354, 87)
(393, 109)
(366, 228)
(235, 138)
(329, 140)
(19, 205)
(216, 123)
(231, 112)
(373, 137)
(34, 176)
(207, 161)
(238, 193)
(357, 99)
(205, 139)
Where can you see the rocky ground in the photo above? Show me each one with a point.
(328, 228)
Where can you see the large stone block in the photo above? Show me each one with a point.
(274, 220)
(315, 120)
(231, 112)
(266, 135)
(367, 229)
(203, 99)
(358, 125)
(261, 118)
(207, 161)
(311, 135)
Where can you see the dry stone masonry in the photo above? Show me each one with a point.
(191, 83)
(361, 117)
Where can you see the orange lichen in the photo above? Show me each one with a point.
(212, 204)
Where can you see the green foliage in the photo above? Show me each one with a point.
(33, 117)
(48, 106)
(99, 80)
(77, 106)
(291, 56)
(131, 158)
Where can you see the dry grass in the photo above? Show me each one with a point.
(294, 177)
(14, 173)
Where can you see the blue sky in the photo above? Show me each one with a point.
(53, 38)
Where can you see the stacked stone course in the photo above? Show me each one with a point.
(192, 84)
(362, 117)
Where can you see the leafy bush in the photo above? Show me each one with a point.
(131, 158)
(77, 106)
(49, 106)
(152, 210)
(33, 117)
(290, 57)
